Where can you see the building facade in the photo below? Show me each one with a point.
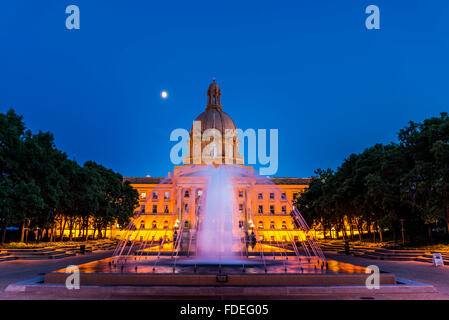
(169, 205)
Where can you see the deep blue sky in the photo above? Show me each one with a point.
(309, 68)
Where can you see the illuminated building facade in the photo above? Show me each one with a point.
(165, 203)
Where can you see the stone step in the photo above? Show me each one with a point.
(40, 250)
(399, 252)
(36, 254)
(8, 258)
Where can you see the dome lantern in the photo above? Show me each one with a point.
(213, 96)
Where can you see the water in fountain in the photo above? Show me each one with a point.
(216, 236)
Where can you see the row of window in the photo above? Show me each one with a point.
(261, 238)
(272, 225)
(259, 211)
(260, 225)
(153, 224)
(155, 195)
(154, 209)
(273, 238)
(271, 196)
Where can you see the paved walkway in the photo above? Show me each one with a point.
(21, 270)
(16, 271)
(411, 270)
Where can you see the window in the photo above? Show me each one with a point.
(260, 224)
(186, 194)
(284, 210)
(240, 193)
(272, 238)
(272, 225)
(241, 208)
(271, 209)
(166, 209)
(260, 210)
(142, 224)
(154, 195)
(166, 195)
(142, 208)
(260, 196)
(271, 196)
(141, 238)
(155, 208)
(240, 224)
(284, 225)
(295, 195)
(283, 196)
(154, 224)
(165, 224)
(143, 195)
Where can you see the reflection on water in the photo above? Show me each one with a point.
(254, 265)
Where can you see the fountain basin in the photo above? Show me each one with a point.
(278, 273)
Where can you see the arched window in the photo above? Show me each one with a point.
(142, 224)
(154, 224)
(165, 224)
(272, 225)
(260, 224)
(284, 225)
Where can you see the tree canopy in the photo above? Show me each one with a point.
(386, 185)
(41, 188)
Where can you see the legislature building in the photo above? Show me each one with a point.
(169, 205)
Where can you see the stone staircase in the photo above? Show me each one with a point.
(53, 252)
(382, 253)
(5, 256)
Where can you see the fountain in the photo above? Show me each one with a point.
(215, 248)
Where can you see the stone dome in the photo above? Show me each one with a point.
(207, 150)
(214, 117)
